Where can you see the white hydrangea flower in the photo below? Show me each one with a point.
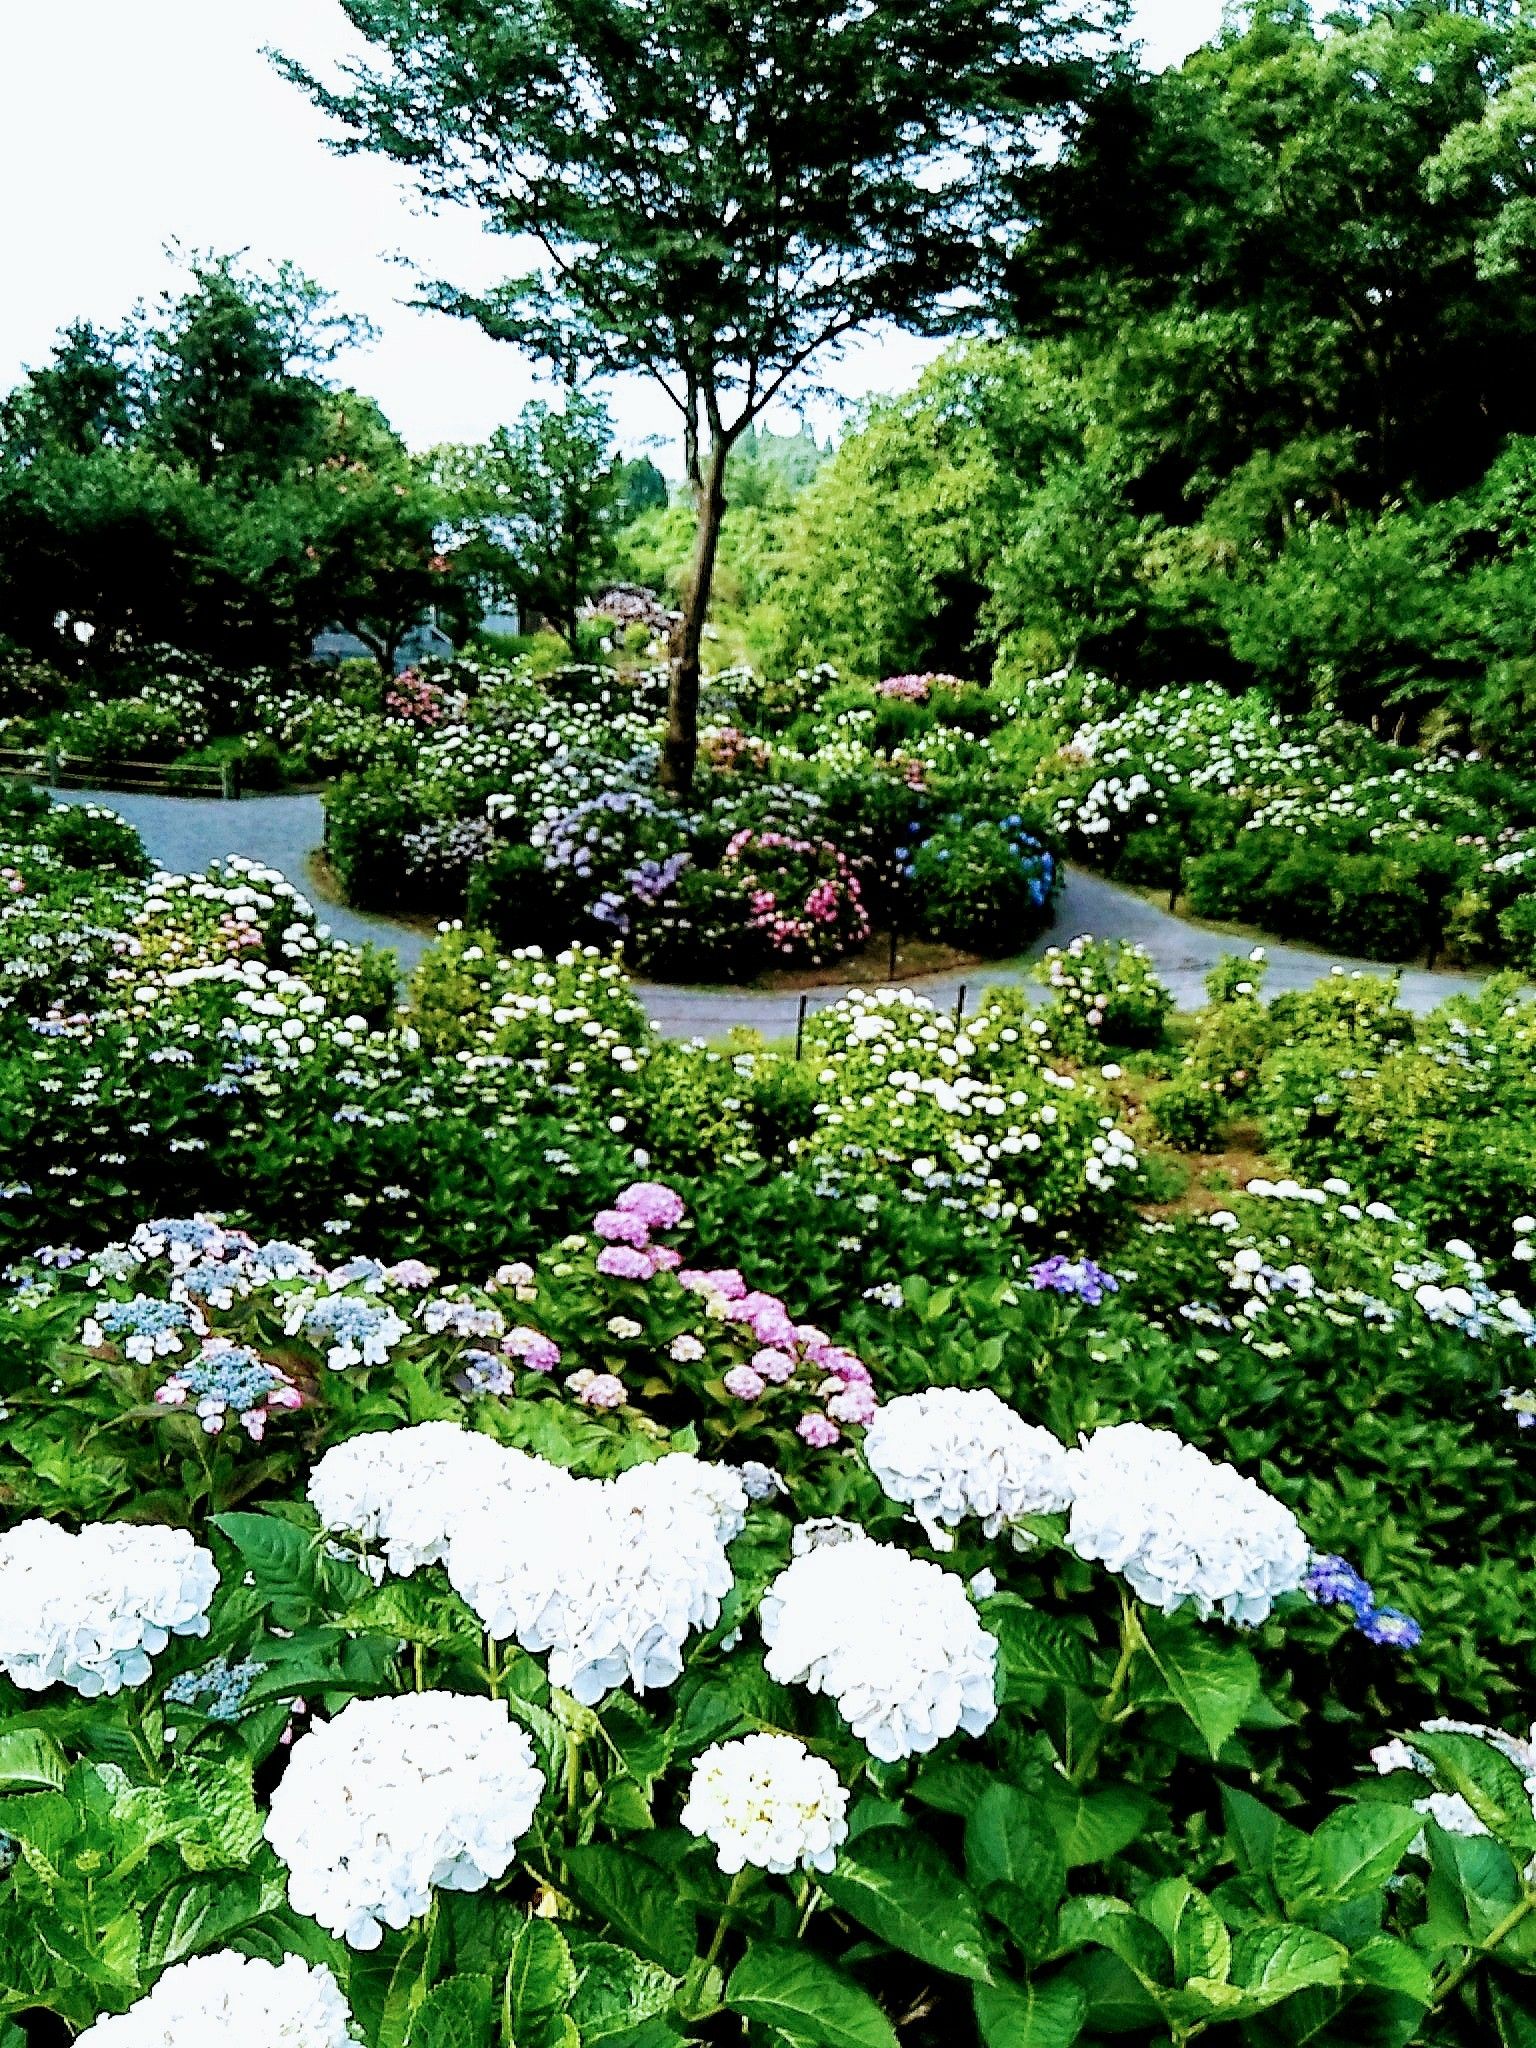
(609, 1576)
(231, 1998)
(950, 1452)
(401, 1490)
(1182, 1528)
(397, 1798)
(891, 1638)
(90, 1611)
(765, 1800)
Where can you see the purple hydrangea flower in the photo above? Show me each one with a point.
(658, 1207)
(1391, 1628)
(1334, 1582)
(743, 1383)
(1061, 1275)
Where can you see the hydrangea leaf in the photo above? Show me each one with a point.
(901, 1886)
(637, 1901)
(1488, 1781)
(1032, 2015)
(797, 1993)
(1214, 1682)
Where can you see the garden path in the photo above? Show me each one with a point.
(183, 834)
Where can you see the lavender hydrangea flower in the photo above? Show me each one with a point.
(1082, 1277)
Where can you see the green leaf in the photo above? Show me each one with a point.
(1014, 1859)
(197, 1914)
(1356, 1850)
(1490, 1784)
(616, 1992)
(1192, 1928)
(1390, 1965)
(1095, 1919)
(1214, 1682)
(1033, 1649)
(540, 1979)
(457, 2014)
(1272, 1963)
(638, 1901)
(1092, 1827)
(900, 1885)
(1033, 2015)
(794, 1991)
(30, 1761)
(281, 1561)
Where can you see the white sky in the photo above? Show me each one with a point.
(129, 125)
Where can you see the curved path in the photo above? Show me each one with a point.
(183, 834)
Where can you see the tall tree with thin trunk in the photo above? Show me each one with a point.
(714, 193)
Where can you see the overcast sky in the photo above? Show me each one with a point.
(128, 125)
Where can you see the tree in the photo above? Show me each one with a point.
(533, 511)
(719, 190)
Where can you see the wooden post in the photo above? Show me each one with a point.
(800, 1025)
(960, 1004)
(53, 761)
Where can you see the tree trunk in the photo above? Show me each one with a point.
(681, 747)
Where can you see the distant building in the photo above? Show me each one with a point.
(424, 642)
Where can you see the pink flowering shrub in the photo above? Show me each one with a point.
(918, 689)
(419, 702)
(805, 897)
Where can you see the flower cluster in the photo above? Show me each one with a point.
(230, 1379)
(952, 1453)
(1333, 1582)
(399, 1492)
(892, 1639)
(610, 1577)
(91, 1610)
(398, 1798)
(229, 1997)
(1182, 1528)
(766, 1801)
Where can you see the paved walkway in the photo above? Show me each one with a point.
(183, 834)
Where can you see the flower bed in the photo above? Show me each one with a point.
(518, 1532)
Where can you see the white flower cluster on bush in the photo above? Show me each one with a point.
(891, 1638)
(1182, 1528)
(230, 1999)
(952, 1452)
(91, 1610)
(397, 1798)
(765, 1800)
(401, 1490)
(609, 1576)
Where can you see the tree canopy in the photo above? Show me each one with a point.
(714, 195)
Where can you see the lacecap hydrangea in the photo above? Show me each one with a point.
(765, 1800)
(892, 1639)
(235, 2000)
(397, 1798)
(950, 1453)
(609, 1576)
(91, 1610)
(1181, 1528)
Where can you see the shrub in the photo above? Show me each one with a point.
(981, 883)
(1103, 992)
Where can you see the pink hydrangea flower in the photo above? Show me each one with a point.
(622, 1226)
(775, 1366)
(745, 1384)
(602, 1390)
(538, 1352)
(410, 1273)
(817, 1431)
(723, 1280)
(663, 1259)
(623, 1262)
(659, 1208)
(854, 1403)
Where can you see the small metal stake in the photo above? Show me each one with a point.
(960, 1003)
(800, 1025)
